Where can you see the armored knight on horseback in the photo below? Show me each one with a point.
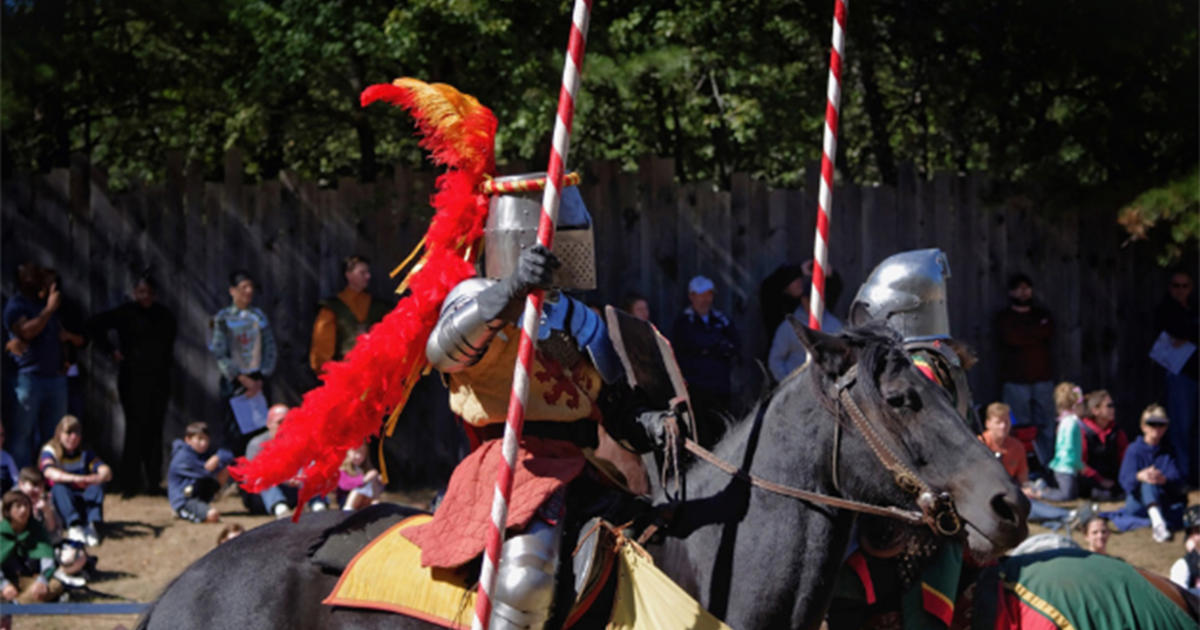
(458, 316)
(474, 346)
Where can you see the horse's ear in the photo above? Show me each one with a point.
(831, 353)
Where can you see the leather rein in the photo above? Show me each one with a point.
(937, 509)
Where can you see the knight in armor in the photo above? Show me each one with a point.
(463, 299)
(908, 292)
(345, 316)
(474, 346)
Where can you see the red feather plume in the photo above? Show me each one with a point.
(377, 375)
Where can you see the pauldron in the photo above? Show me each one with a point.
(569, 329)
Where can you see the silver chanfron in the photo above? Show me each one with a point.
(908, 291)
(512, 226)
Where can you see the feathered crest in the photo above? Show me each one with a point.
(377, 376)
(449, 121)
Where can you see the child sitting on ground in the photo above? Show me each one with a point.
(71, 555)
(32, 482)
(358, 484)
(196, 474)
(1151, 477)
(26, 556)
(1186, 570)
(76, 476)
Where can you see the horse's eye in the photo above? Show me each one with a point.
(907, 399)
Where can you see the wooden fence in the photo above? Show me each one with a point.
(652, 236)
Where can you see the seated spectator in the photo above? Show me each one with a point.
(8, 468)
(76, 476)
(1011, 454)
(26, 557)
(1186, 570)
(71, 555)
(231, 531)
(1097, 530)
(32, 482)
(1067, 464)
(196, 474)
(358, 485)
(1103, 448)
(276, 500)
(1151, 478)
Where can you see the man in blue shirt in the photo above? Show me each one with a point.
(1152, 479)
(41, 389)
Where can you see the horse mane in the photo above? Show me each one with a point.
(872, 342)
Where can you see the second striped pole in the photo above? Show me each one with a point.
(833, 97)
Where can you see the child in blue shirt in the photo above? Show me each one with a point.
(1150, 476)
(196, 474)
(76, 477)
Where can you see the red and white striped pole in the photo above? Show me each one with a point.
(816, 303)
(533, 311)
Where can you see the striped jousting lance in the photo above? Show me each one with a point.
(533, 311)
(816, 303)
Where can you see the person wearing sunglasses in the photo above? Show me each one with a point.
(1151, 477)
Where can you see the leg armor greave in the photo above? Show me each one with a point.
(524, 590)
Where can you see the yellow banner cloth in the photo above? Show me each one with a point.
(649, 600)
(387, 575)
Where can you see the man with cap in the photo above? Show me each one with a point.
(706, 343)
(1151, 478)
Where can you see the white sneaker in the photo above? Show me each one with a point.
(318, 507)
(75, 533)
(281, 510)
(72, 581)
(1161, 533)
(91, 536)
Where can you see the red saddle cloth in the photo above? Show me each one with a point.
(458, 531)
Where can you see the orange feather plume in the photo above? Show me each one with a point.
(377, 376)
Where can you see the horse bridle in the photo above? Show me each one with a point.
(937, 509)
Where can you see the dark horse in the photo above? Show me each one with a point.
(755, 558)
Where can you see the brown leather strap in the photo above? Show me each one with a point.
(937, 510)
(909, 516)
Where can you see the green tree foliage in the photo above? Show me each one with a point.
(1176, 207)
(1058, 98)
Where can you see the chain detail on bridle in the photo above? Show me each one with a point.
(937, 509)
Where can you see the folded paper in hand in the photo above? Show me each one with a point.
(1170, 356)
(251, 413)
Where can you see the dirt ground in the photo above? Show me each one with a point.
(146, 546)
